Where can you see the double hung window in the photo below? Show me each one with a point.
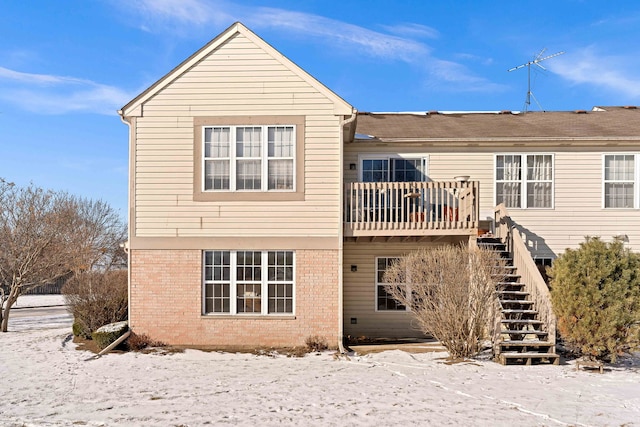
(248, 282)
(620, 181)
(524, 180)
(249, 158)
(384, 302)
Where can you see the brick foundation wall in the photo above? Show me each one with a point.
(166, 303)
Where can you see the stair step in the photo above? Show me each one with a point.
(528, 357)
(507, 292)
(516, 301)
(526, 343)
(518, 311)
(507, 276)
(506, 267)
(489, 241)
(503, 254)
(521, 321)
(524, 332)
(510, 284)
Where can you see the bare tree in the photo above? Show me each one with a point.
(450, 291)
(98, 234)
(45, 235)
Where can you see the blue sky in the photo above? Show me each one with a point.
(67, 66)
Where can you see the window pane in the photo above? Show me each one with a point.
(216, 142)
(619, 195)
(248, 142)
(280, 298)
(280, 141)
(619, 168)
(539, 168)
(216, 175)
(385, 302)
(217, 298)
(407, 170)
(248, 175)
(539, 195)
(280, 174)
(248, 298)
(508, 168)
(508, 193)
(375, 170)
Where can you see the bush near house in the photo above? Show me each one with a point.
(595, 291)
(106, 335)
(450, 291)
(96, 299)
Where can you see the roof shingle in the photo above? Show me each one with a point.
(606, 123)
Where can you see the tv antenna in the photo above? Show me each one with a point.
(536, 61)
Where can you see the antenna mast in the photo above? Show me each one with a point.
(536, 61)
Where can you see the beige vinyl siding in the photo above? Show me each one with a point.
(238, 79)
(360, 291)
(578, 209)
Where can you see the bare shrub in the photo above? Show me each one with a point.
(138, 342)
(96, 299)
(316, 343)
(450, 291)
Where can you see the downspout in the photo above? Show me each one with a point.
(128, 242)
(343, 123)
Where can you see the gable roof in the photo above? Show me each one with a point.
(602, 123)
(132, 108)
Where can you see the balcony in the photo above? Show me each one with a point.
(411, 208)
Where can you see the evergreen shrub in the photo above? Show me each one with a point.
(595, 291)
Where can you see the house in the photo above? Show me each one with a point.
(264, 209)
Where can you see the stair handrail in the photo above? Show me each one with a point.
(527, 269)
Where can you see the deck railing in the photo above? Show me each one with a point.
(527, 269)
(411, 208)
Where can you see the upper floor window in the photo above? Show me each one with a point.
(249, 158)
(621, 176)
(393, 169)
(524, 180)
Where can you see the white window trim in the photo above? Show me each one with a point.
(524, 181)
(375, 302)
(264, 145)
(388, 156)
(636, 182)
(233, 282)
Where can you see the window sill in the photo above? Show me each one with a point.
(248, 196)
(249, 316)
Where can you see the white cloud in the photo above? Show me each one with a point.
(371, 42)
(413, 30)
(51, 94)
(401, 45)
(178, 16)
(586, 66)
(459, 79)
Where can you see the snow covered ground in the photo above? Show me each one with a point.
(47, 382)
(38, 301)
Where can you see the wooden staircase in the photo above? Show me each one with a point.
(522, 337)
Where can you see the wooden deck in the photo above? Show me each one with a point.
(411, 208)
